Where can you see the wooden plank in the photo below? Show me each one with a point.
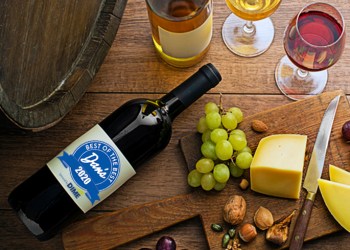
(152, 217)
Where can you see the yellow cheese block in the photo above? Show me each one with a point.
(339, 175)
(277, 166)
(337, 199)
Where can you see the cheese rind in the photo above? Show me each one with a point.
(339, 175)
(277, 166)
(337, 199)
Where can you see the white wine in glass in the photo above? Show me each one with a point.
(249, 31)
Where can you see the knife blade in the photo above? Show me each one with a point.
(313, 173)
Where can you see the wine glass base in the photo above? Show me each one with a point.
(295, 86)
(247, 45)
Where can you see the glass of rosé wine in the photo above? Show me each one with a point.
(249, 31)
(314, 41)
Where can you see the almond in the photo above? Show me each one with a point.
(259, 126)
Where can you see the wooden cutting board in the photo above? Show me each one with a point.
(302, 117)
(49, 53)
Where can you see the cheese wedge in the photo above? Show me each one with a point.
(339, 175)
(277, 166)
(337, 199)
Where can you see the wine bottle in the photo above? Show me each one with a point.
(181, 29)
(105, 157)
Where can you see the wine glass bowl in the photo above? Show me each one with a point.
(313, 41)
(249, 31)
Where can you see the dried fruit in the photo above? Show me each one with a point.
(259, 126)
(263, 218)
(247, 232)
(278, 233)
(244, 184)
(234, 210)
(346, 131)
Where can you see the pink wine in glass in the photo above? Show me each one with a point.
(311, 44)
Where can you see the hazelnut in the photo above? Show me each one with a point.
(234, 210)
(247, 232)
(263, 218)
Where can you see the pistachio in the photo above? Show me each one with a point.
(225, 240)
(247, 232)
(231, 232)
(216, 227)
(263, 218)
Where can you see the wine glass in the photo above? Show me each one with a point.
(314, 41)
(243, 36)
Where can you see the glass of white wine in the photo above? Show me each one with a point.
(249, 31)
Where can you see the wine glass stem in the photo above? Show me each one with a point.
(249, 28)
(302, 73)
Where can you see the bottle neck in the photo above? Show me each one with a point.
(190, 90)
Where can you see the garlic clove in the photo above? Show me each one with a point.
(263, 218)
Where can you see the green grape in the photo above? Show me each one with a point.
(237, 112)
(243, 160)
(229, 121)
(207, 181)
(245, 149)
(235, 171)
(213, 120)
(219, 186)
(205, 165)
(224, 150)
(211, 107)
(208, 150)
(238, 132)
(218, 134)
(206, 135)
(194, 178)
(221, 173)
(238, 142)
(202, 125)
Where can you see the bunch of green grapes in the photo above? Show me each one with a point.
(224, 148)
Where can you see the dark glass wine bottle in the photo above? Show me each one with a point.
(101, 160)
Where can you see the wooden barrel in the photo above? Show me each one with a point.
(49, 52)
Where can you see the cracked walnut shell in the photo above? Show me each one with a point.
(235, 209)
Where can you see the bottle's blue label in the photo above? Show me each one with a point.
(91, 169)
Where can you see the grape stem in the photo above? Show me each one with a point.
(221, 107)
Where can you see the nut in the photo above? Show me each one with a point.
(234, 210)
(259, 126)
(263, 218)
(247, 232)
(244, 184)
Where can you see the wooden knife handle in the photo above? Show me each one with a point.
(301, 224)
(116, 228)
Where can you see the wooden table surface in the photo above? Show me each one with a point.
(132, 69)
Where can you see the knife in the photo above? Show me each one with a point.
(313, 173)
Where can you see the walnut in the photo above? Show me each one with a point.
(234, 210)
